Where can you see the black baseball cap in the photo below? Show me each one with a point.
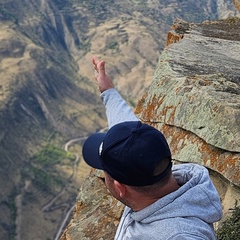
(129, 152)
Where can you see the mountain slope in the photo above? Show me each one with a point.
(47, 95)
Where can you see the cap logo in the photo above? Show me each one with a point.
(100, 149)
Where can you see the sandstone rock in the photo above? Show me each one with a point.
(237, 4)
(96, 214)
(195, 95)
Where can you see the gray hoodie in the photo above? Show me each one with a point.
(187, 213)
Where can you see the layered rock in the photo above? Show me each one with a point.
(194, 100)
(195, 96)
(96, 213)
(237, 4)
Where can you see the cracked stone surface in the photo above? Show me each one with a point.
(195, 95)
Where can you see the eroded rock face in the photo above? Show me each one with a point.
(237, 4)
(97, 213)
(195, 95)
(194, 100)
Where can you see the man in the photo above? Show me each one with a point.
(162, 202)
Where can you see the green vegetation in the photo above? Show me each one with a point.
(9, 202)
(230, 229)
(43, 168)
(233, 20)
(8, 15)
(46, 180)
(113, 45)
(51, 155)
(84, 45)
(139, 1)
(63, 4)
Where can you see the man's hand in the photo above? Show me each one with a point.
(103, 80)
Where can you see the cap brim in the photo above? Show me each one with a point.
(90, 150)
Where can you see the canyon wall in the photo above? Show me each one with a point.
(195, 100)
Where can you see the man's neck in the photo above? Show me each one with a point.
(141, 201)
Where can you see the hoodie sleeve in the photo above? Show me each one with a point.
(117, 109)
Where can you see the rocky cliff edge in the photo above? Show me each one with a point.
(194, 100)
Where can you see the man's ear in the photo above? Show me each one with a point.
(121, 188)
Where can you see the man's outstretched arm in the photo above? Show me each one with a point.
(117, 109)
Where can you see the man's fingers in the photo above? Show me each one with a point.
(101, 67)
(103, 80)
(95, 62)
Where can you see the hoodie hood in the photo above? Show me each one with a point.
(197, 198)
